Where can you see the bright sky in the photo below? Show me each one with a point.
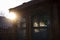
(7, 4)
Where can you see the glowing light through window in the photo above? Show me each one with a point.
(35, 24)
(36, 30)
(42, 24)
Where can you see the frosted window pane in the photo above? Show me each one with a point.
(42, 24)
(35, 24)
(36, 30)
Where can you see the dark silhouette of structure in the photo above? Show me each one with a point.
(42, 13)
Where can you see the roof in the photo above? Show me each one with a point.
(24, 5)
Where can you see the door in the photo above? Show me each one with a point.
(39, 26)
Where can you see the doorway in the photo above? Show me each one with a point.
(39, 26)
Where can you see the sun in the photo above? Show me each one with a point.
(11, 16)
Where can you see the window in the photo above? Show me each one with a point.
(21, 30)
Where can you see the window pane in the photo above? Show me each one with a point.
(24, 25)
(36, 30)
(35, 21)
(42, 24)
(43, 29)
(35, 24)
(44, 21)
